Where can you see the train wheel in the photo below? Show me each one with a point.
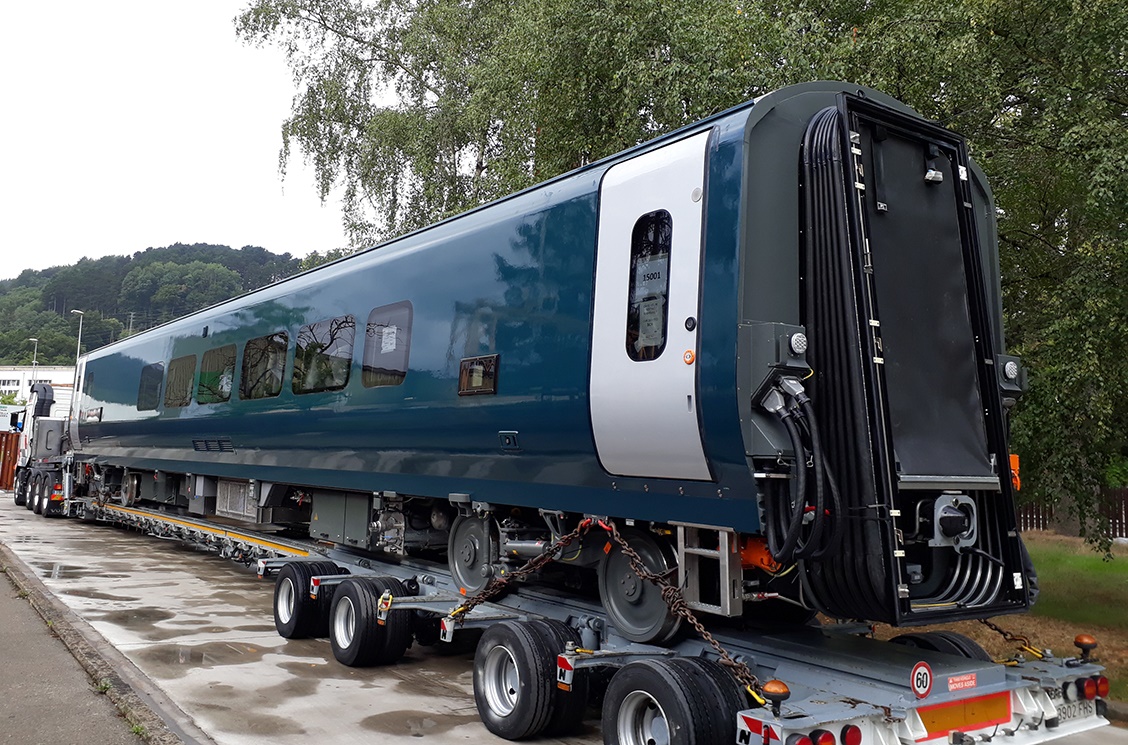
(635, 606)
(296, 614)
(656, 701)
(471, 552)
(515, 680)
(568, 707)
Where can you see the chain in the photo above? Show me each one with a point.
(672, 594)
(1022, 641)
(498, 585)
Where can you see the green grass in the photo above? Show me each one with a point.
(1079, 585)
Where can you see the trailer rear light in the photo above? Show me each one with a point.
(798, 740)
(851, 735)
(822, 737)
(1088, 688)
(1069, 691)
(1102, 685)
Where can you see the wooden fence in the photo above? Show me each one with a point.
(1113, 506)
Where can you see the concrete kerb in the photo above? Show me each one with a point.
(104, 676)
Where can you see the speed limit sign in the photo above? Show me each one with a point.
(921, 681)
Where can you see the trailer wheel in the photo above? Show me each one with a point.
(396, 636)
(296, 614)
(356, 637)
(515, 680)
(635, 606)
(656, 701)
(720, 686)
(947, 642)
(569, 706)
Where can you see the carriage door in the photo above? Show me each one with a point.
(644, 341)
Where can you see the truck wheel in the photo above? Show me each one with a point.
(514, 680)
(20, 492)
(569, 706)
(720, 686)
(296, 614)
(356, 638)
(40, 492)
(396, 636)
(655, 701)
(948, 642)
(32, 490)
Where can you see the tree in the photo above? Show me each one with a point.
(172, 290)
(422, 109)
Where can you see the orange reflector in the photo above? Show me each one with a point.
(1016, 480)
(968, 714)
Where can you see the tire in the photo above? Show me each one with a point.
(514, 680)
(356, 637)
(657, 701)
(396, 637)
(719, 686)
(296, 614)
(948, 642)
(32, 490)
(20, 492)
(39, 492)
(568, 707)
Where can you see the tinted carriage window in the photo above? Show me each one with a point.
(387, 342)
(324, 355)
(181, 374)
(217, 374)
(264, 360)
(149, 390)
(647, 310)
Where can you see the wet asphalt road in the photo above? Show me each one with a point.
(199, 628)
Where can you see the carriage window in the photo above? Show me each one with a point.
(387, 342)
(264, 360)
(149, 391)
(647, 314)
(217, 374)
(181, 372)
(324, 355)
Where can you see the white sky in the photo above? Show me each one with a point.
(126, 124)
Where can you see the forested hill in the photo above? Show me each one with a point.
(120, 293)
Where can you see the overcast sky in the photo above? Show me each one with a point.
(135, 123)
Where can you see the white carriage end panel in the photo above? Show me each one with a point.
(647, 278)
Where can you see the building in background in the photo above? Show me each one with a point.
(18, 380)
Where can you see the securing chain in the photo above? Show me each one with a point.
(498, 585)
(678, 605)
(671, 594)
(1022, 641)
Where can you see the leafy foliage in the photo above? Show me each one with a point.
(122, 294)
(423, 108)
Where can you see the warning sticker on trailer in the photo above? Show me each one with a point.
(961, 682)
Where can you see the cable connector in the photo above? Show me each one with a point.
(793, 388)
(773, 401)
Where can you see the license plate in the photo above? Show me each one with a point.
(1075, 710)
